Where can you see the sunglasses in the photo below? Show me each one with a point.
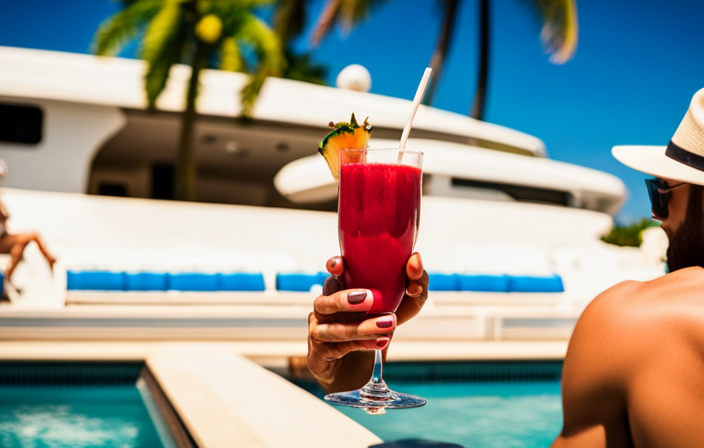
(659, 194)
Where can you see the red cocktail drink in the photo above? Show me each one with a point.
(379, 207)
(378, 212)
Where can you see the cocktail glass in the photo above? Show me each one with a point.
(378, 215)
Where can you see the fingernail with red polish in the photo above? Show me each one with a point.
(356, 297)
(334, 261)
(385, 322)
(382, 342)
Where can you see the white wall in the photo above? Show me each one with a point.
(71, 136)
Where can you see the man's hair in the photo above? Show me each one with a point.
(694, 207)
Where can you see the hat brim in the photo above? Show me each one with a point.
(652, 160)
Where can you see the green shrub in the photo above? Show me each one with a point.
(629, 235)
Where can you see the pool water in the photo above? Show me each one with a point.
(471, 404)
(487, 414)
(75, 417)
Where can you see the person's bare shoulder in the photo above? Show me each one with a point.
(655, 308)
(599, 362)
(603, 327)
(628, 335)
(628, 318)
(634, 303)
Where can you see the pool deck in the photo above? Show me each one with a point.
(213, 355)
(222, 392)
(278, 317)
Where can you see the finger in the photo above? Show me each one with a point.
(414, 289)
(379, 343)
(418, 286)
(332, 285)
(332, 351)
(413, 301)
(335, 265)
(369, 329)
(344, 301)
(414, 267)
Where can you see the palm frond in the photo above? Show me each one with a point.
(271, 62)
(289, 18)
(162, 47)
(354, 11)
(230, 12)
(250, 92)
(326, 21)
(124, 26)
(266, 43)
(559, 33)
(345, 12)
(301, 67)
(231, 59)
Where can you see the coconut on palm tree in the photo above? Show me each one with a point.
(196, 33)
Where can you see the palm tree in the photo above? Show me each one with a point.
(196, 33)
(437, 61)
(558, 34)
(289, 21)
(347, 13)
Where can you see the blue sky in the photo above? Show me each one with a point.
(637, 66)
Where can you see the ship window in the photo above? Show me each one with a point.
(520, 192)
(20, 124)
(112, 190)
(163, 181)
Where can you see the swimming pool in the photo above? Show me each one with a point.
(481, 404)
(77, 405)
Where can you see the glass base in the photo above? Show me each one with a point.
(374, 398)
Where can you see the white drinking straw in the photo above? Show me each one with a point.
(416, 102)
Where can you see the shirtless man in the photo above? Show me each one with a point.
(634, 370)
(633, 375)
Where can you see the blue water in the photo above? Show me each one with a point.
(75, 417)
(480, 414)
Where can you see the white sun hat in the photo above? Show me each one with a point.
(682, 159)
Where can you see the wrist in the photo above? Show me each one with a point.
(324, 371)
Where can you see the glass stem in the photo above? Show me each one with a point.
(378, 367)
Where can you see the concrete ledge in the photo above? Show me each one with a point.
(277, 354)
(226, 400)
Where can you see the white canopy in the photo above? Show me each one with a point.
(309, 180)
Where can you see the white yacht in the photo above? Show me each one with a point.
(75, 133)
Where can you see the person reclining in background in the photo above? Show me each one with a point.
(15, 244)
(633, 375)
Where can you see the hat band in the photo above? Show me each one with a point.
(683, 156)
